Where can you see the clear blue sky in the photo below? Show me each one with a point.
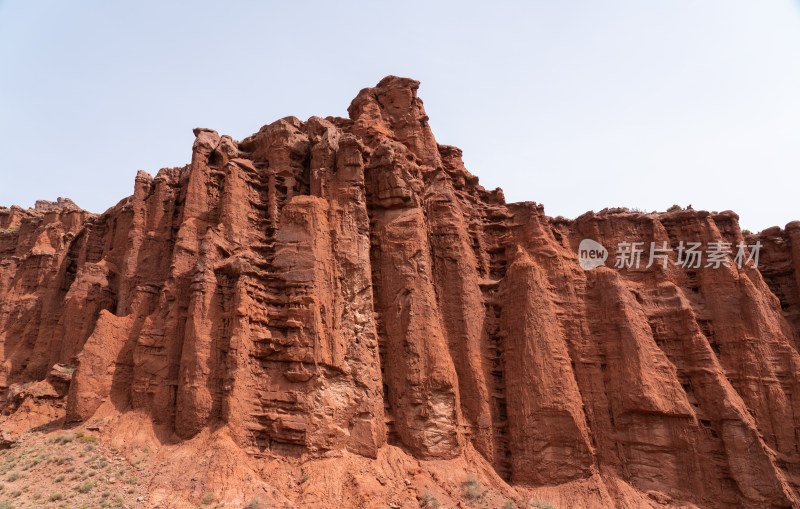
(578, 105)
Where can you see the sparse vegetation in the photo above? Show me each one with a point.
(55, 497)
(509, 505)
(63, 439)
(86, 487)
(538, 504)
(473, 490)
(674, 208)
(428, 500)
(208, 498)
(13, 476)
(746, 232)
(255, 503)
(62, 460)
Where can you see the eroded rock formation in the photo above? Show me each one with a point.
(341, 284)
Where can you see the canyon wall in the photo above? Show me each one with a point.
(342, 284)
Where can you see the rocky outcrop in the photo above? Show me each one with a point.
(342, 284)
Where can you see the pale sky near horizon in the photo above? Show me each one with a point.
(578, 105)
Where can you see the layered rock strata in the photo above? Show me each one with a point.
(344, 283)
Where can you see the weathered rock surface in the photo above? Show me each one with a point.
(342, 284)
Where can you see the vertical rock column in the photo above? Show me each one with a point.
(194, 258)
(350, 299)
(647, 407)
(420, 375)
(549, 438)
(455, 271)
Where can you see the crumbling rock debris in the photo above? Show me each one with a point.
(60, 377)
(6, 442)
(341, 284)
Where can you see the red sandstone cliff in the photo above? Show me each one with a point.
(344, 288)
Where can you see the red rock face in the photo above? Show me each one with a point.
(340, 284)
